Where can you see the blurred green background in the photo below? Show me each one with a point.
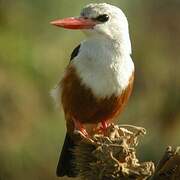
(33, 55)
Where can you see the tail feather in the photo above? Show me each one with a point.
(66, 166)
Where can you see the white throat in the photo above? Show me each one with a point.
(104, 66)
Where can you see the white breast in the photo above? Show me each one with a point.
(103, 68)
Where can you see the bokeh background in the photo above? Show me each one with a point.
(33, 55)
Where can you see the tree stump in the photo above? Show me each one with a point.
(112, 155)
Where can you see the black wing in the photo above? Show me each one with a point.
(75, 52)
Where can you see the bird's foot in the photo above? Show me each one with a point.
(103, 127)
(79, 127)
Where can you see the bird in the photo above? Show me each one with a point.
(98, 80)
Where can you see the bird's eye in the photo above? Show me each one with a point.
(102, 18)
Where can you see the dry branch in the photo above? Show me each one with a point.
(168, 167)
(113, 155)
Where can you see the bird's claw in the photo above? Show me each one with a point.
(103, 127)
(79, 128)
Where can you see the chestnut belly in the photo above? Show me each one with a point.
(79, 102)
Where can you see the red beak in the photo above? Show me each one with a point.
(74, 23)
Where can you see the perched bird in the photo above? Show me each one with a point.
(98, 80)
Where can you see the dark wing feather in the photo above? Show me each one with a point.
(75, 52)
